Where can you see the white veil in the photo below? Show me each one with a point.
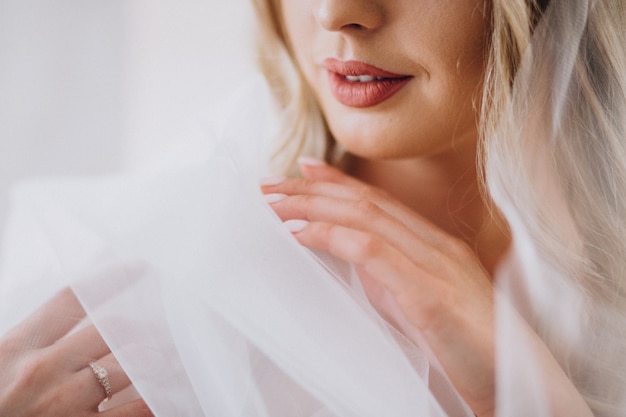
(212, 307)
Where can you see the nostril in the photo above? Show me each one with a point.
(354, 26)
(338, 15)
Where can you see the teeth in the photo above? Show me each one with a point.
(361, 78)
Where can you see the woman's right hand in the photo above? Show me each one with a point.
(437, 280)
(45, 371)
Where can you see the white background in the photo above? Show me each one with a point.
(96, 86)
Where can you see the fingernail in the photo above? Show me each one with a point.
(274, 198)
(273, 180)
(314, 162)
(296, 226)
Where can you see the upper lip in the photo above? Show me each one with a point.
(358, 68)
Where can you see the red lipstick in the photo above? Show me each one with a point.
(357, 84)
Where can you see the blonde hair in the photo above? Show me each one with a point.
(513, 22)
(303, 131)
(566, 108)
(588, 150)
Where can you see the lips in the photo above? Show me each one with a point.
(357, 84)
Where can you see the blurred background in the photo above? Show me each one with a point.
(100, 86)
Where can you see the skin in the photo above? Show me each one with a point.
(44, 370)
(420, 145)
(408, 216)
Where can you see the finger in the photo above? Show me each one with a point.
(417, 224)
(59, 315)
(117, 377)
(418, 293)
(377, 258)
(87, 389)
(48, 323)
(360, 215)
(137, 408)
(294, 186)
(80, 348)
(428, 298)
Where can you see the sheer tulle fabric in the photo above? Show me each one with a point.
(210, 304)
(213, 309)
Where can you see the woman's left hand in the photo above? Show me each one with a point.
(46, 367)
(436, 279)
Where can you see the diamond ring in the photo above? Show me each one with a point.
(103, 378)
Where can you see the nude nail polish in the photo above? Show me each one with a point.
(296, 226)
(274, 198)
(314, 162)
(272, 180)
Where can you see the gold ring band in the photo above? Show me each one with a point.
(103, 378)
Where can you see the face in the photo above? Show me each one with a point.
(394, 78)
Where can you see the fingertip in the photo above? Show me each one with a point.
(307, 161)
(274, 198)
(312, 168)
(272, 180)
(296, 226)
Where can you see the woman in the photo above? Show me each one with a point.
(421, 106)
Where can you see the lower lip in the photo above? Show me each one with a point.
(368, 94)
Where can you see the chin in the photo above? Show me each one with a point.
(363, 137)
(377, 142)
(370, 146)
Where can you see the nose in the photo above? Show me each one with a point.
(346, 15)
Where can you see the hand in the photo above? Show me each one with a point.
(436, 279)
(46, 372)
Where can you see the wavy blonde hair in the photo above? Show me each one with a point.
(303, 131)
(555, 143)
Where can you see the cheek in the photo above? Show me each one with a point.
(464, 46)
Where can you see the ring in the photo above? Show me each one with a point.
(103, 378)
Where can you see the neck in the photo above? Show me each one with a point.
(446, 190)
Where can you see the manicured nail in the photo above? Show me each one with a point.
(314, 162)
(274, 198)
(296, 226)
(273, 180)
